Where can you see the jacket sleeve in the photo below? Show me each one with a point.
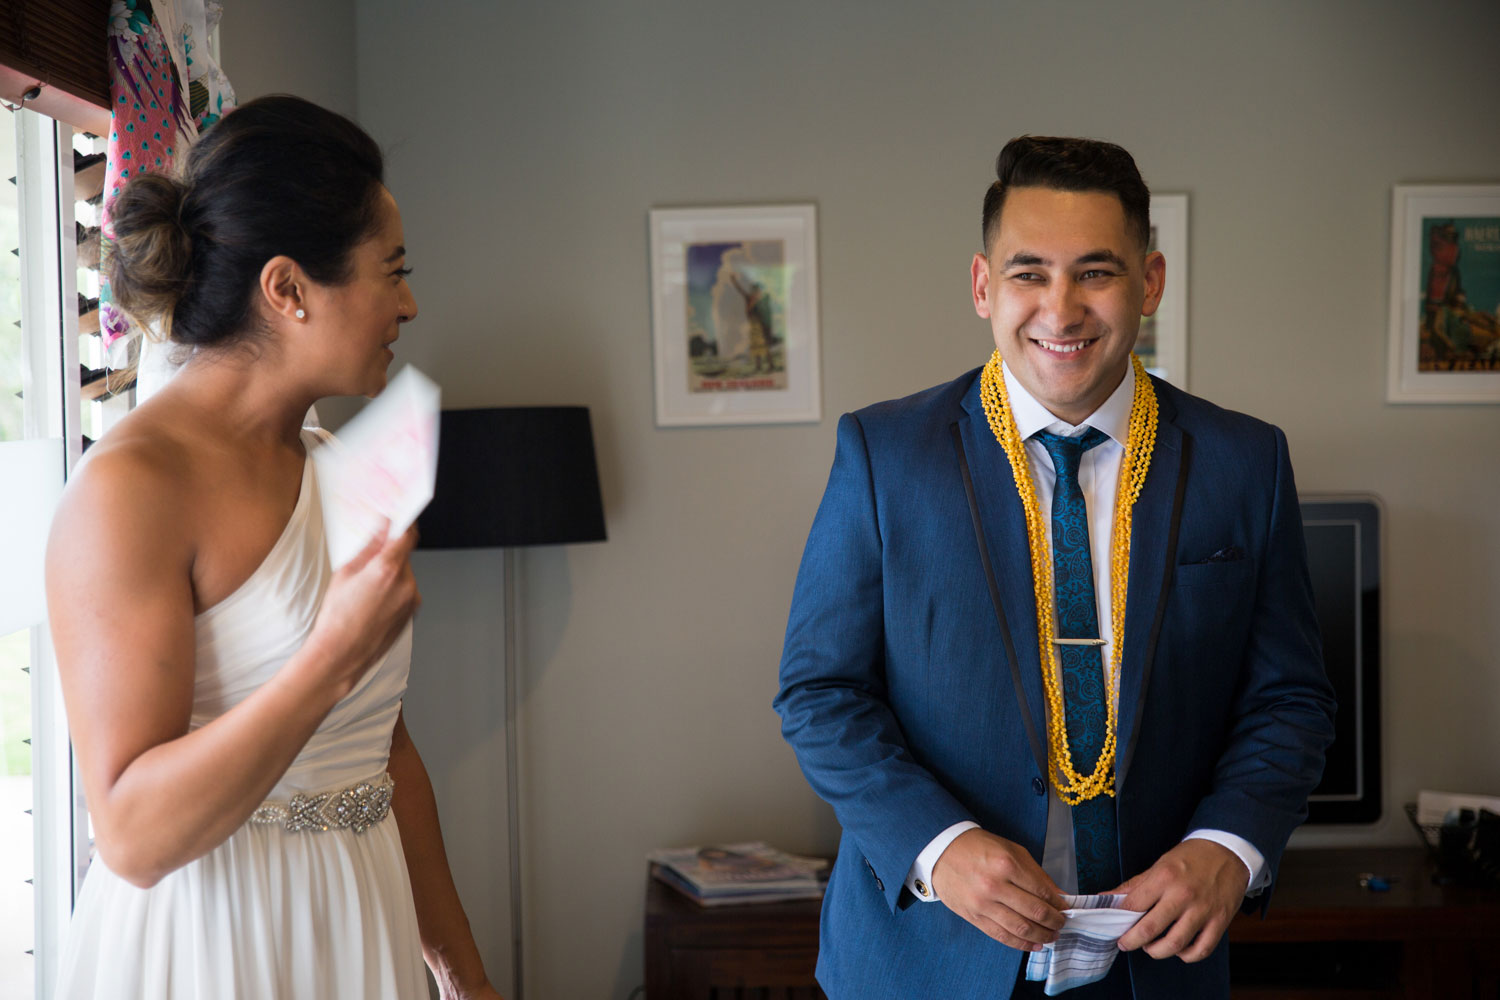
(833, 699)
(1282, 719)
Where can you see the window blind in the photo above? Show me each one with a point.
(61, 45)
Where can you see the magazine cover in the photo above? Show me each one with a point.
(751, 894)
(739, 868)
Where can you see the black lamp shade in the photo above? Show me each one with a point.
(514, 475)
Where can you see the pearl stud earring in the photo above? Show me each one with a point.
(302, 314)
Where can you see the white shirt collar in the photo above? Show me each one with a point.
(1112, 417)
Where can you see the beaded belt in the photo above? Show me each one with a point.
(356, 808)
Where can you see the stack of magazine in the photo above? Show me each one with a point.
(752, 872)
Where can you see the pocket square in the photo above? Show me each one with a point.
(1227, 554)
(1087, 945)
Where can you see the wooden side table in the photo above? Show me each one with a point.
(1325, 935)
(712, 953)
(1324, 938)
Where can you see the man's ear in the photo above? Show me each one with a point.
(979, 280)
(1156, 282)
(282, 287)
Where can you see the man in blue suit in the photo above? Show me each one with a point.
(1151, 726)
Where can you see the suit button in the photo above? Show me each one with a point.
(1038, 787)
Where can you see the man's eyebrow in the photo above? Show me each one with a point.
(1024, 258)
(1029, 258)
(399, 253)
(1103, 257)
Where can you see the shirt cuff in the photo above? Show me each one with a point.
(919, 876)
(1254, 861)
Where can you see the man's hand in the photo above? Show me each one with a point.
(1188, 897)
(998, 887)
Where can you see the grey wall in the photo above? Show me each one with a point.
(526, 144)
(288, 47)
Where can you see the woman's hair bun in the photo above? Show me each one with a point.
(278, 176)
(150, 259)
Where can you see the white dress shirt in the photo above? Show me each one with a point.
(1098, 477)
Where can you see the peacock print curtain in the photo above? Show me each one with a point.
(164, 90)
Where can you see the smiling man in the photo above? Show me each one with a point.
(1053, 636)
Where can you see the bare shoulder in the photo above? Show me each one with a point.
(132, 492)
(139, 446)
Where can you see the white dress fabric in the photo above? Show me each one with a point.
(268, 914)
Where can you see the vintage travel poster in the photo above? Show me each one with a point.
(736, 316)
(1459, 323)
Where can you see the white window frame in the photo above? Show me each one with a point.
(49, 324)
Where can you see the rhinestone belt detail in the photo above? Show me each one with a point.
(356, 808)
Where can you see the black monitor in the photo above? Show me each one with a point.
(1343, 558)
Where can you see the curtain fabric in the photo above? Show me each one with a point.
(164, 89)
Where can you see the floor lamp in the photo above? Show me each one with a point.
(508, 477)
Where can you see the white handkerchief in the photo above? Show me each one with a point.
(382, 466)
(1086, 946)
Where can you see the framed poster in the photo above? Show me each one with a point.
(1162, 343)
(1444, 337)
(734, 308)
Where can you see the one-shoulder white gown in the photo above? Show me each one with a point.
(269, 914)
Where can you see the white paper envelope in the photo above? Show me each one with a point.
(382, 465)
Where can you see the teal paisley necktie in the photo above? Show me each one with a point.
(1095, 837)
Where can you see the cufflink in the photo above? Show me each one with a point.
(921, 888)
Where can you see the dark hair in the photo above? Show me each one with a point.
(278, 175)
(1064, 164)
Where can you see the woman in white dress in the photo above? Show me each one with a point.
(263, 825)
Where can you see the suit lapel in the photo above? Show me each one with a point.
(1153, 551)
(1000, 521)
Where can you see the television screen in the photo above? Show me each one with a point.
(1343, 558)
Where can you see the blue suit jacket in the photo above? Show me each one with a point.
(911, 687)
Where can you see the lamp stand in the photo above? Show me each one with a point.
(512, 598)
(512, 476)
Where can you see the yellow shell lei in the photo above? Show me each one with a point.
(1071, 786)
